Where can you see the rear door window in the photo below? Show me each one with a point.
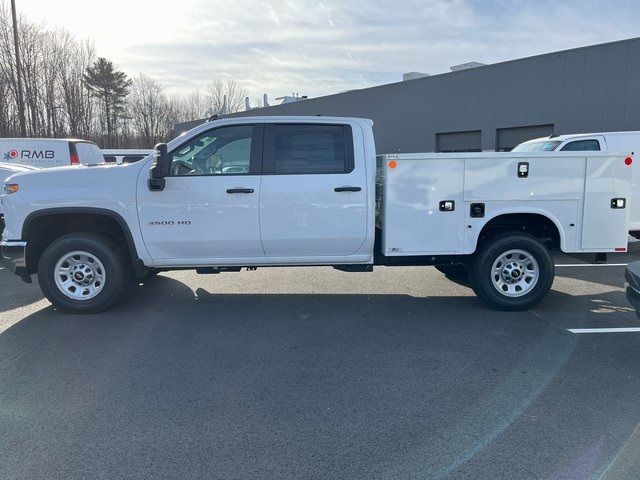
(297, 149)
(592, 145)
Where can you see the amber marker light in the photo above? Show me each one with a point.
(11, 188)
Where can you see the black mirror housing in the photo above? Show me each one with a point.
(160, 168)
(161, 165)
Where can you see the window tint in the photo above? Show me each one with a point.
(222, 151)
(110, 159)
(307, 149)
(582, 146)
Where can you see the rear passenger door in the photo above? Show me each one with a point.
(313, 197)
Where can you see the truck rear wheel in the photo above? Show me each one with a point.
(82, 273)
(513, 271)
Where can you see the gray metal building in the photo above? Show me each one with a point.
(494, 107)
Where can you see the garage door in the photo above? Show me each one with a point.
(458, 141)
(510, 137)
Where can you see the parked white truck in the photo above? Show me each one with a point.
(595, 142)
(281, 191)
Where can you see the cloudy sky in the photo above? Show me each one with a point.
(317, 47)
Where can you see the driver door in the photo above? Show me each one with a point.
(208, 212)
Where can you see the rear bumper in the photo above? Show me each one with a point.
(14, 257)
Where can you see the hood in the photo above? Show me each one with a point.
(78, 184)
(75, 174)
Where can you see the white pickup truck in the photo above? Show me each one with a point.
(280, 191)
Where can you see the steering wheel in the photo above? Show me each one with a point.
(180, 167)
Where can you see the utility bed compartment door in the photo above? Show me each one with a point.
(605, 228)
(413, 222)
(495, 178)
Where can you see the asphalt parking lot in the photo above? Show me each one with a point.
(315, 373)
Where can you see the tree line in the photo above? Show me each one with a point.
(71, 92)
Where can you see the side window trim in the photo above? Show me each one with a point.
(269, 148)
(257, 145)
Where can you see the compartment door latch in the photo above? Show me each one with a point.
(523, 169)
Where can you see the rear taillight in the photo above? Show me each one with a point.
(628, 161)
(74, 159)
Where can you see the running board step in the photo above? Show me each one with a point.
(216, 270)
(354, 268)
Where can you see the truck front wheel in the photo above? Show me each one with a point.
(82, 273)
(512, 271)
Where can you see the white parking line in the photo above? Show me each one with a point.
(605, 330)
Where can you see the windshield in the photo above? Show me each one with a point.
(542, 146)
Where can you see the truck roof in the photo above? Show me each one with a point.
(273, 119)
(569, 136)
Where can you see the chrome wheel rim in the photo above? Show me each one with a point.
(80, 275)
(515, 273)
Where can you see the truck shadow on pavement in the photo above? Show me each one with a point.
(298, 385)
(364, 386)
(14, 293)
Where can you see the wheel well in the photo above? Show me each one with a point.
(535, 224)
(42, 230)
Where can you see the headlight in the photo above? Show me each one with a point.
(10, 188)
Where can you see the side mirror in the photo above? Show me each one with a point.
(160, 168)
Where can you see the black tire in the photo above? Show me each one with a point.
(482, 276)
(98, 246)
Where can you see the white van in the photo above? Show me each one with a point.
(624, 142)
(49, 152)
(125, 155)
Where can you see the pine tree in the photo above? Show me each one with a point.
(109, 85)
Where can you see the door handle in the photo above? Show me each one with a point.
(240, 190)
(347, 189)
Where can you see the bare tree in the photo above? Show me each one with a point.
(149, 110)
(192, 106)
(70, 92)
(218, 90)
(74, 96)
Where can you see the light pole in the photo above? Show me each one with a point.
(23, 127)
